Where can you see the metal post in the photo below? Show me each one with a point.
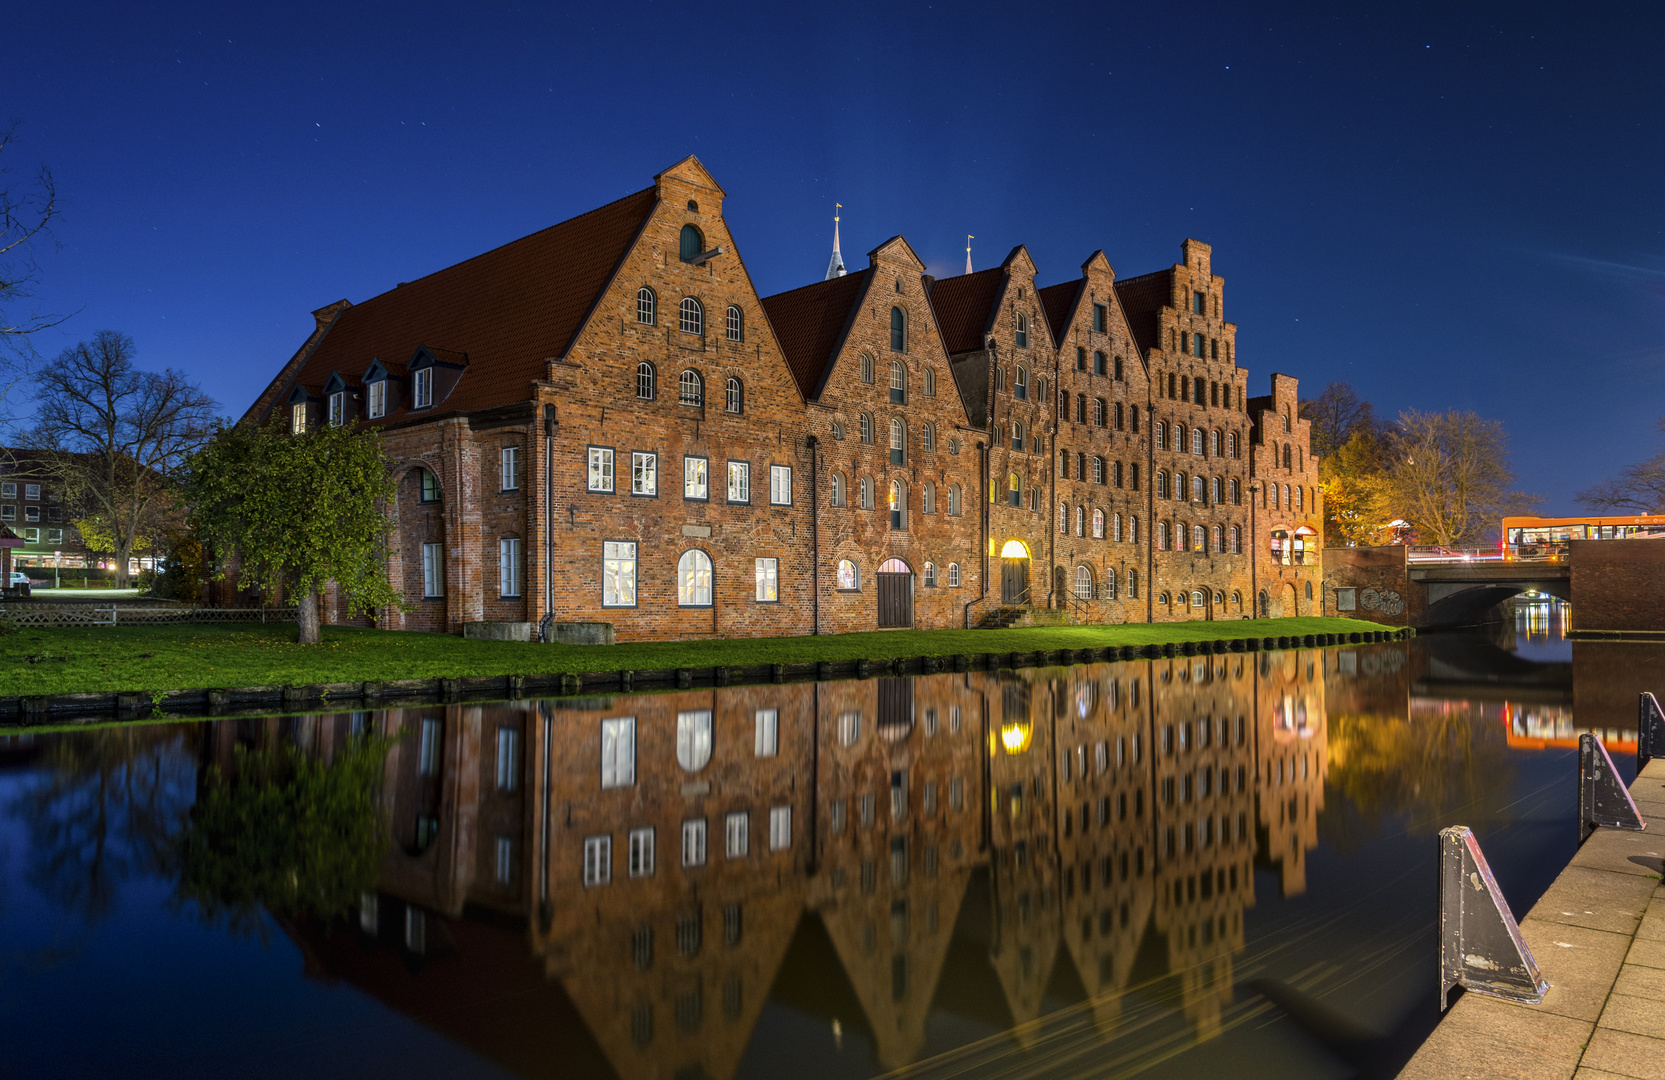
(1650, 730)
(1481, 948)
(1603, 800)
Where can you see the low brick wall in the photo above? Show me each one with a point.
(1618, 585)
(1369, 583)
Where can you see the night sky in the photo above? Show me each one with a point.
(1444, 205)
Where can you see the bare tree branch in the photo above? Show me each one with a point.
(1640, 488)
(26, 216)
(1448, 475)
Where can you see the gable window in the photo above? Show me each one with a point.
(691, 243)
(338, 408)
(1116, 525)
(1101, 317)
(928, 498)
(1197, 441)
(1098, 524)
(1161, 484)
(767, 572)
(1098, 470)
(1080, 358)
(1014, 489)
(508, 467)
(645, 301)
(866, 428)
(735, 395)
(693, 579)
(898, 330)
(1098, 363)
(422, 391)
(508, 567)
(1017, 435)
(644, 473)
(1098, 412)
(1022, 331)
(297, 418)
(736, 324)
(780, 485)
(429, 485)
(1020, 387)
(1197, 492)
(898, 384)
(690, 316)
(1160, 434)
(739, 482)
(618, 574)
(646, 381)
(930, 382)
(866, 368)
(433, 570)
(690, 388)
(601, 469)
(695, 478)
(849, 578)
(898, 506)
(618, 752)
(930, 575)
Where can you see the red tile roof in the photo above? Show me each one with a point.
(508, 310)
(1141, 299)
(1058, 301)
(810, 324)
(964, 307)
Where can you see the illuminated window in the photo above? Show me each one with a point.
(849, 577)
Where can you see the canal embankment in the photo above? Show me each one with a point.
(1598, 935)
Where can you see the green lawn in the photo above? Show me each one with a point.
(183, 657)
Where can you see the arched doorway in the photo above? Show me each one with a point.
(895, 594)
(1291, 601)
(1014, 574)
(1265, 605)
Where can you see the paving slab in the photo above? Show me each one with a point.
(1637, 1015)
(1626, 1054)
(1598, 899)
(1642, 982)
(1647, 952)
(1624, 852)
(1598, 1074)
(1653, 920)
(1579, 963)
(1486, 1039)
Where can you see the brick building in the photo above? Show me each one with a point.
(604, 422)
(32, 506)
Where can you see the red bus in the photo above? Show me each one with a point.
(1546, 538)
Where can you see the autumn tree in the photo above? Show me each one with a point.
(1357, 509)
(113, 438)
(1337, 415)
(1448, 476)
(1639, 489)
(297, 512)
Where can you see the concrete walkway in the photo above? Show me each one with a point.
(1598, 935)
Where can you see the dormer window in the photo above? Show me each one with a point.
(297, 418)
(422, 388)
(338, 408)
(377, 392)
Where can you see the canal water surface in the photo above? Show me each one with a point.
(1188, 867)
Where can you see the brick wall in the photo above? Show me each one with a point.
(1618, 585)
(1380, 587)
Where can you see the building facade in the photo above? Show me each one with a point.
(604, 422)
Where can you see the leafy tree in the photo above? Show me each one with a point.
(297, 512)
(1640, 488)
(1448, 475)
(113, 437)
(1356, 500)
(1337, 415)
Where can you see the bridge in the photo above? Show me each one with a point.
(1456, 591)
(1430, 587)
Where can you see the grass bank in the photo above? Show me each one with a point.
(70, 660)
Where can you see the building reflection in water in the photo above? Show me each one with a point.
(627, 878)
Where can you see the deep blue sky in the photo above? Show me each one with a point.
(1445, 205)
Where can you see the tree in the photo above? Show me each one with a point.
(298, 512)
(26, 215)
(1640, 488)
(1337, 415)
(1356, 506)
(1448, 475)
(113, 437)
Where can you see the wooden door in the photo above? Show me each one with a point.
(1014, 582)
(895, 600)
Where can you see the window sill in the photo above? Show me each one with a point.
(847, 590)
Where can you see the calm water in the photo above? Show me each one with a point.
(1167, 868)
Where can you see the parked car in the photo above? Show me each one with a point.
(19, 578)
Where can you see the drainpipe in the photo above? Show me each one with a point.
(983, 545)
(548, 514)
(815, 533)
(1254, 555)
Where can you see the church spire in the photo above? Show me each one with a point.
(835, 267)
(968, 239)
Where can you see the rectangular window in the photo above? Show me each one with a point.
(433, 571)
(956, 794)
(644, 473)
(508, 759)
(31, 535)
(505, 861)
(695, 484)
(768, 581)
(693, 842)
(618, 752)
(378, 398)
(509, 467)
(427, 757)
(422, 388)
(601, 468)
(297, 418)
(31, 513)
(739, 482)
(8, 512)
(618, 574)
(768, 733)
(8, 490)
(780, 828)
(508, 567)
(338, 408)
(1100, 317)
(598, 860)
(737, 834)
(54, 536)
(780, 485)
(641, 852)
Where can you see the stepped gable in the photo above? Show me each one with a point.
(1141, 299)
(810, 324)
(507, 310)
(965, 307)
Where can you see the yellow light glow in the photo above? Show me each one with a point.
(1015, 737)
(1014, 549)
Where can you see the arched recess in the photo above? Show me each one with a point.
(895, 584)
(1014, 574)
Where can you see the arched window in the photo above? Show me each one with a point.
(1300, 497)
(898, 383)
(1214, 443)
(1109, 593)
(1309, 590)
(867, 493)
(1181, 492)
(1199, 538)
(1017, 435)
(1098, 363)
(1179, 438)
(898, 505)
(693, 739)
(1162, 536)
(1098, 470)
(1219, 490)
(866, 368)
(1163, 600)
(1160, 433)
(1081, 521)
(1237, 600)
(954, 500)
(1117, 523)
(1197, 492)
(1083, 583)
(898, 330)
(1098, 412)
(866, 428)
(930, 575)
(1231, 444)
(1162, 484)
(1197, 441)
(693, 579)
(898, 442)
(953, 575)
(930, 382)
(646, 380)
(1272, 490)
(1286, 456)
(848, 576)
(1236, 492)
(736, 324)
(838, 489)
(690, 388)
(690, 316)
(1040, 388)
(1064, 518)
(999, 378)
(1219, 540)
(692, 243)
(928, 498)
(736, 395)
(1286, 422)
(645, 304)
(1020, 387)
(1198, 598)
(1237, 539)
(928, 437)
(1014, 489)
(1022, 331)
(1133, 586)
(1098, 524)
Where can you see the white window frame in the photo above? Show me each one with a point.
(422, 388)
(737, 827)
(433, 570)
(377, 393)
(766, 742)
(508, 568)
(690, 316)
(639, 863)
(954, 575)
(598, 474)
(598, 860)
(693, 739)
(508, 468)
(696, 478)
(297, 418)
(693, 842)
(618, 573)
(735, 323)
(780, 485)
(691, 590)
(768, 580)
(618, 752)
(644, 473)
(780, 828)
(740, 480)
(338, 408)
(508, 759)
